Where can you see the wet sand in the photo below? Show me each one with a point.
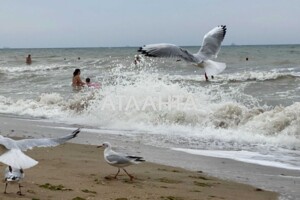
(75, 171)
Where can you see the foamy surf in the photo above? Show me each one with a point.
(286, 162)
(251, 106)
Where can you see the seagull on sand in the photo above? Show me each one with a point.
(13, 175)
(210, 48)
(119, 160)
(17, 161)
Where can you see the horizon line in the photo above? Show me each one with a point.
(128, 46)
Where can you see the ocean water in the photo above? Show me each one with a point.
(251, 110)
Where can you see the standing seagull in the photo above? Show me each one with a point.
(119, 160)
(13, 175)
(210, 48)
(17, 160)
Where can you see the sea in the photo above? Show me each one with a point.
(250, 112)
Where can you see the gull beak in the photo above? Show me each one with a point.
(100, 146)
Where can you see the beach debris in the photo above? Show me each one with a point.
(259, 189)
(171, 170)
(201, 184)
(31, 191)
(89, 191)
(171, 198)
(120, 160)
(200, 177)
(78, 198)
(167, 180)
(55, 187)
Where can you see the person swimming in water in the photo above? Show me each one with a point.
(93, 85)
(28, 59)
(76, 81)
(137, 59)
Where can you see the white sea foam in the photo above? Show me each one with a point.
(29, 68)
(162, 102)
(208, 115)
(247, 156)
(237, 76)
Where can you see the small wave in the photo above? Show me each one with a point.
(32, 68)
(283, 63)
(279, 120)
(237, 77)
(257, 76)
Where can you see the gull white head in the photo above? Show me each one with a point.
(105, 145)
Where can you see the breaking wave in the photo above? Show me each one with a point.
(159, 106)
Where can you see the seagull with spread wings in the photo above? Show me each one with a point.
(210, 48)
(17, 160)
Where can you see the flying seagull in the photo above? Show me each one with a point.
(17, 160)
(119, 160)
(14, 155)
(210, 48)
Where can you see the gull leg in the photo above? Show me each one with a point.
(212, 77)
(206, 78)
(19, 192)
(117, 173)
(5, 188)
(131, 177)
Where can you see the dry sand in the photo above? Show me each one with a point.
(76, 171)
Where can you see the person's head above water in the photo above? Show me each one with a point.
(76, 72)
(87, 80)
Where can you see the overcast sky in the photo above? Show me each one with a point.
(110, 23)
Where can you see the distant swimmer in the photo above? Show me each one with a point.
(137, 59)
(247, 59)
(76, 81)
(28, 59)
(210, 48)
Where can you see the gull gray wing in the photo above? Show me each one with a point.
(212, 42)
(45, 142)
(7, 143)
(117, 159)
(167, 50)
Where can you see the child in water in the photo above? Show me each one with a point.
(92, 85)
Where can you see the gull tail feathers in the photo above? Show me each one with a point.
(213, 68)
(17, 159)
(137, 159)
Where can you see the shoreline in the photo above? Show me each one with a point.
(79, 172)
(279, 180)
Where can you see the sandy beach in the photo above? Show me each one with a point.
(75, 171)
(78, 171)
